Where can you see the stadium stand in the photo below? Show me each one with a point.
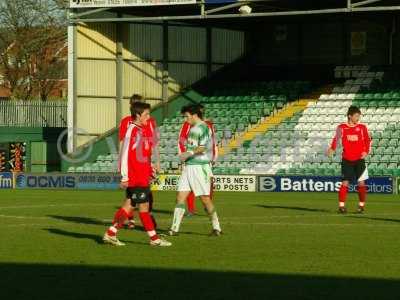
(298, 145)
(269, 128)
(233, 109)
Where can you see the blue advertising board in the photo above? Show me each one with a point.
(67, 181)
(381, 185)
(6, 180)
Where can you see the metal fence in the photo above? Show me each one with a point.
(33, 113)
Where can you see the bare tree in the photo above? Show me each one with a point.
(32, 34)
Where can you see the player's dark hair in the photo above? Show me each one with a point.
(201, 108)
(135, 98)
(193, 109)
(184, 109)
(137, 108)
(353, 110)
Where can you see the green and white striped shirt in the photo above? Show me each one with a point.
(199, 135)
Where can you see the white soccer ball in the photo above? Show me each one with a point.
(245, 10)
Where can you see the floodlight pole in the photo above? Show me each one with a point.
(362, 3)
(72, 84)
(119, 89)
(252, 15)
(202, 8)
(92, 11)
(225, 7)
(165, 69)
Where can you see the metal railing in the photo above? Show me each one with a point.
(33, 113)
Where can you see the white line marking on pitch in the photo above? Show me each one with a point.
(24, 217)
(225, 219)
(58, 205)
(228, 223)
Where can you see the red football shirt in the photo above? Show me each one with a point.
(151, 128)
(184, 133)
(135, 160)
(354, 139)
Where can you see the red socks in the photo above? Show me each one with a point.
(131, 215)
(362, 194)
(148, 225)
(112, 231)
(343, 195)
(120, 216)
(191, 203)
(154, 221)
(118, 222)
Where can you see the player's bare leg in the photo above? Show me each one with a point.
(212, 189)
(210, 208)
(343, 190)
(179, 211)
(362, 195)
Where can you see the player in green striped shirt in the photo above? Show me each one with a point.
(196, 174)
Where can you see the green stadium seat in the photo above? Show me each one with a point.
(386, 172)
(280, 104)
(95, 168)
(396, 96)
(384, 142)
(253, 119)
(389, 150)
(395, 134)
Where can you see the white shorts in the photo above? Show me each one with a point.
(196, 178)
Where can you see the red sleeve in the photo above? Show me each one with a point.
(212, 128)
(155, 136)
(338, 135)
(123, 126)
(153, 125)
(154, 122)
(183, 135)
(366, 139)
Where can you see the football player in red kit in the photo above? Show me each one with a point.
(356, 143)
(136, 172)
(152, 134)
(183, 135)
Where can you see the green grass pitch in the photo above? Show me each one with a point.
(275, 246)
